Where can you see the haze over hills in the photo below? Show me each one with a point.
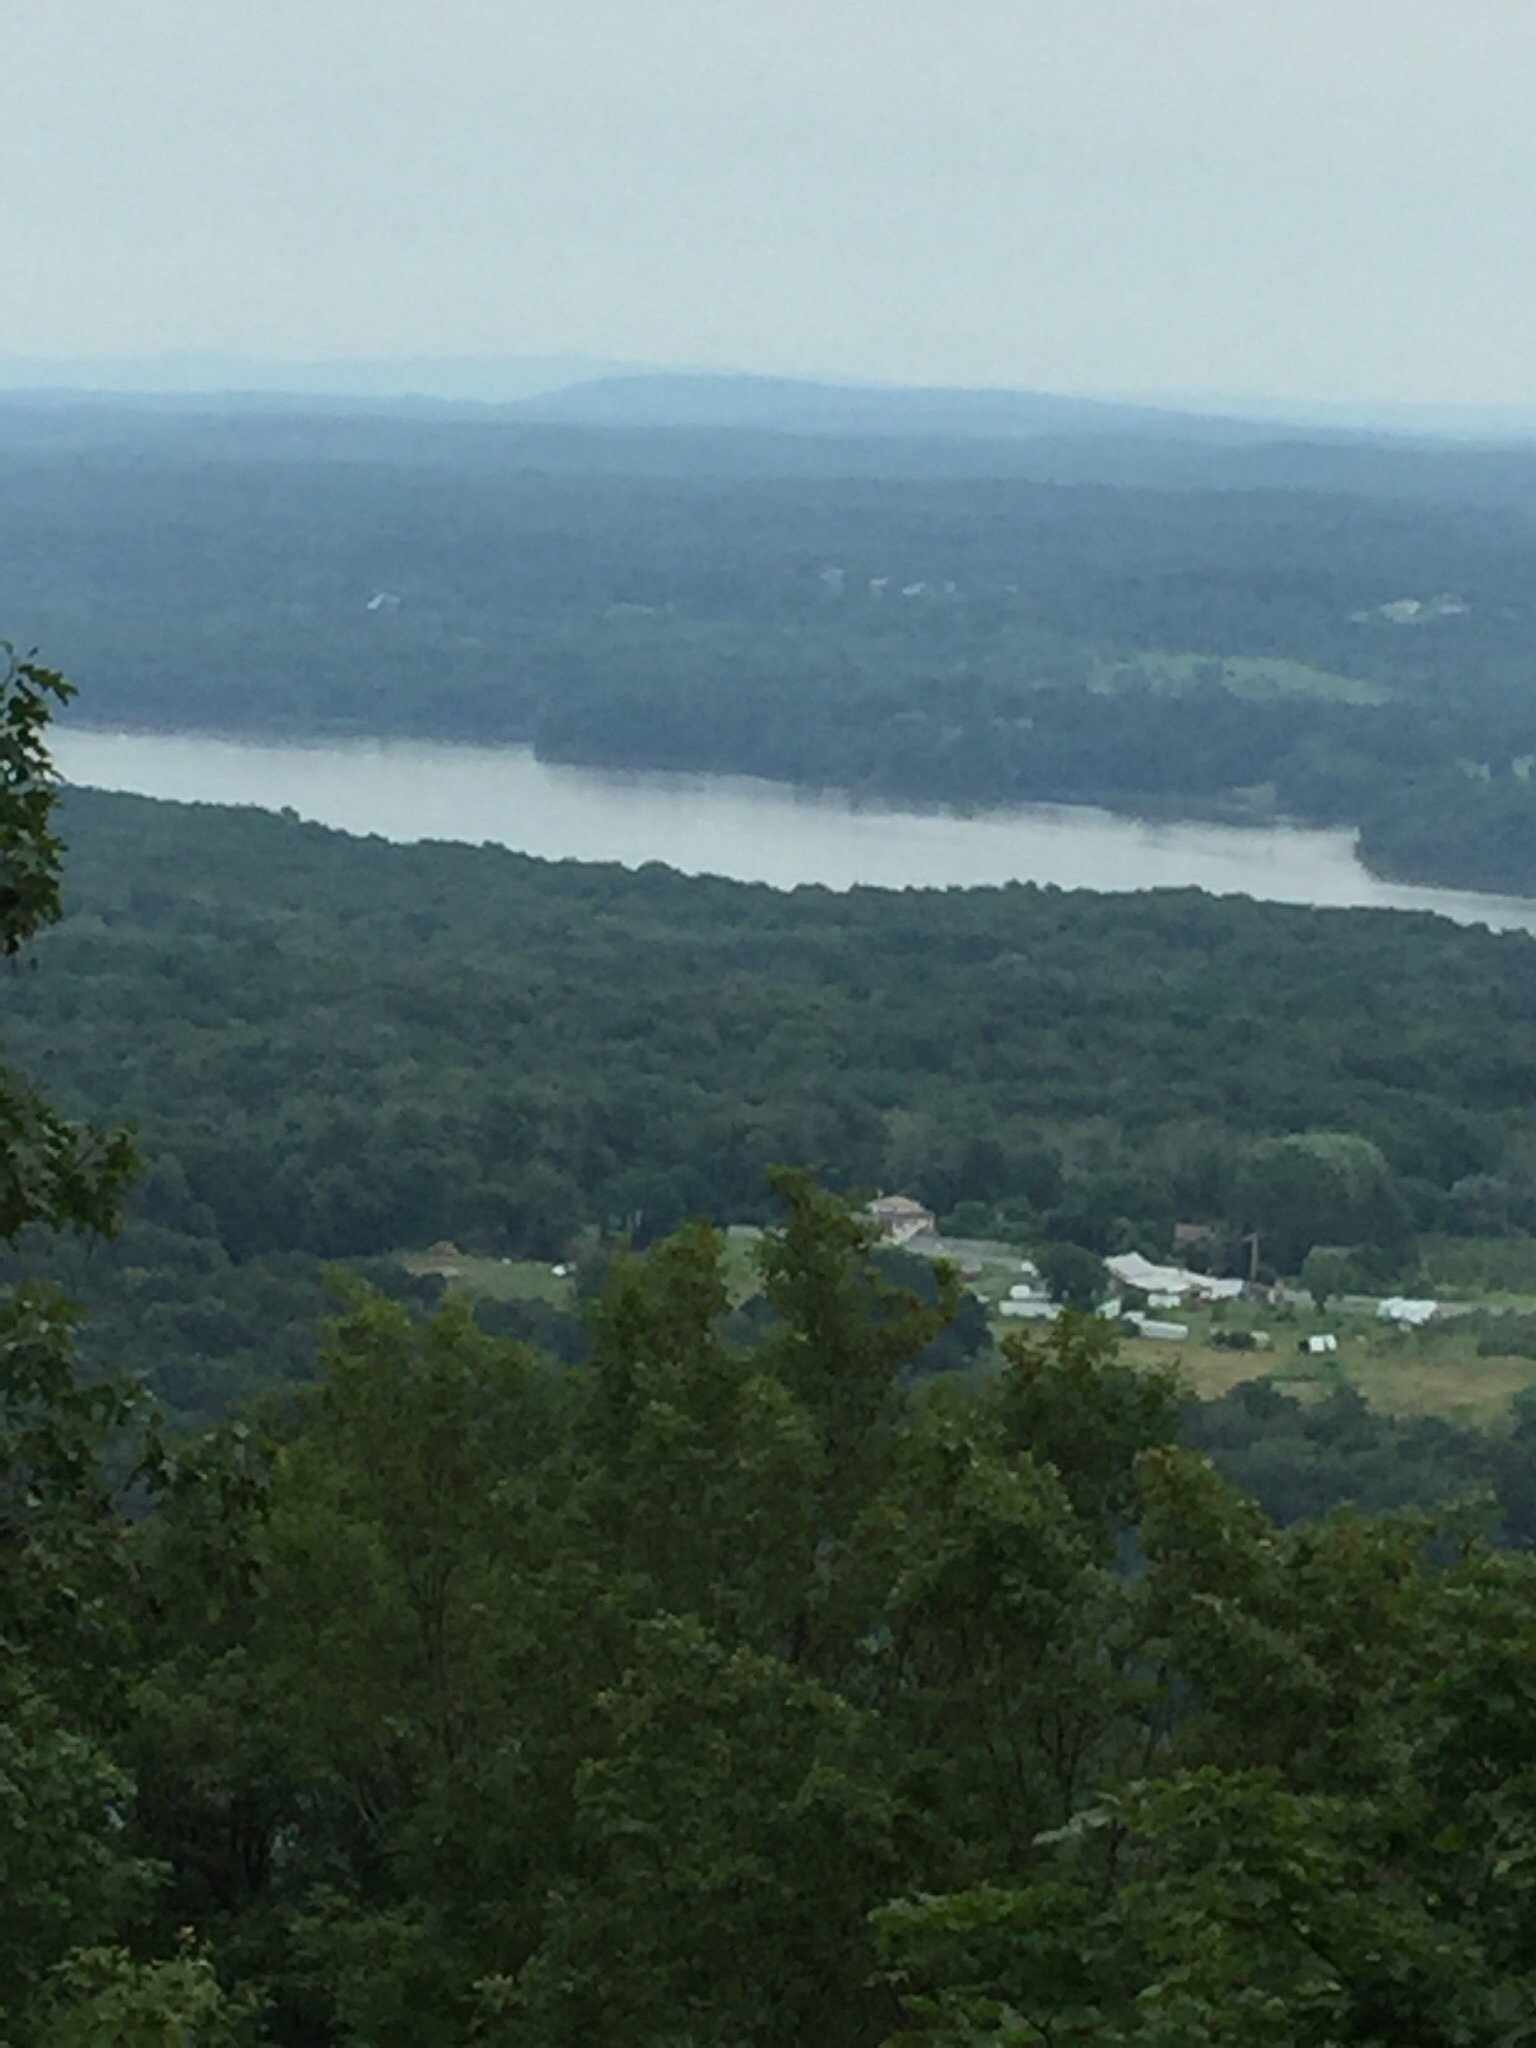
(792, 405)
(611, 393)
(1496, 423)
(435, 433)
(483, 380)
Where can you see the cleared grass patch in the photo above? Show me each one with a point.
(1252, 676)
(741, 1275)
(1435, 1371)
(1425, 1373)
(494, 1279)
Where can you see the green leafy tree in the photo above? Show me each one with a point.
(67, 1872)
(848, 1333)
(1209, 1909)
(1069, 1401)
(1321, 1188)
(734, 1824)
(1072, 1274)
(1329, 1271)
(390, 1517)
(57, 1530)
(986, 1659)
(708, 1470)
(51, 1171)
(106, 1998)
(847, 1337)
(212, 1755)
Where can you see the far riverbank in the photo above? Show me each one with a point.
(746, 829)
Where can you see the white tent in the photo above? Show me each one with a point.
(1398, 1308)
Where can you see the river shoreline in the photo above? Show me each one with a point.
(1237, 810)
(748, 828)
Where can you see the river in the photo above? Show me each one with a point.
(734, 825)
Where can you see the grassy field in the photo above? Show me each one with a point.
(1252, 676)
(495, 1279)
(1434, 1371)
(489, 1279)
(740, 1265)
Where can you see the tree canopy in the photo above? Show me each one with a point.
(730, 1686)
(338, 1048)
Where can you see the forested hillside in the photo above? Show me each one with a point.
(1340, 633)
(739, 1682)
(336, 1047)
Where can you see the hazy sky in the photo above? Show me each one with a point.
(1319, 199)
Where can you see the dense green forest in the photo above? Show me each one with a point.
(1340, 633)
(731, 1686)
(342, 1048)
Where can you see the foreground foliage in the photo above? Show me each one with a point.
(715, 1694)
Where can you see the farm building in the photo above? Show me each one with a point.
(1170, 1285)
(1033, 1308)
(1159, 1332)
(901, 1219)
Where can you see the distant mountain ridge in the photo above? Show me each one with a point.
(476, 380)
(606, 393)
(791, 405)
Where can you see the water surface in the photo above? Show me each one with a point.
(736, 826)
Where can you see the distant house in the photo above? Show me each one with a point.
(900, 1219)
(1321, 1347)
(1030, 1303)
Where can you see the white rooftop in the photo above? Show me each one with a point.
(1132, 1270)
